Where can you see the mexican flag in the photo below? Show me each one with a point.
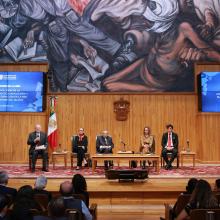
(52, 125)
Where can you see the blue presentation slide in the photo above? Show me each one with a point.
(210, 86)
(21, 91)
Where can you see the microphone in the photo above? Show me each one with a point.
(122, 142)
(37, 136)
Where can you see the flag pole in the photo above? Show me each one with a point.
(52, 124)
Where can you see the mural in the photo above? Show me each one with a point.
(112, 45)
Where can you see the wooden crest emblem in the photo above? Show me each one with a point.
(121, 108)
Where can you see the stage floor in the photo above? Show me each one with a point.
(200, 171)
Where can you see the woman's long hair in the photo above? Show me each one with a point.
(79, 183)
(202, 195)
(149, 130)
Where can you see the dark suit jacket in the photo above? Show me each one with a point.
(174, 140)
(44, 192)
(100, 141)
(76, 142)
(32, 136)
(4, 190)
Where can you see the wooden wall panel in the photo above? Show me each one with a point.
(74, 111)
(95, 112)
(13, 135)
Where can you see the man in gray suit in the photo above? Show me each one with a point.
(38, 145)
(104, 145)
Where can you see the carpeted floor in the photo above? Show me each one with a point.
(22, 171)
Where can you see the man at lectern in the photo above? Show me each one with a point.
(38, 146)
(104, 145)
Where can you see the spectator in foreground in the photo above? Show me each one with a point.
(217, 185)
(66, 190)
(3, 207)
(80, 187)
(201, 198)
(189, 189)
(40, 185)
(24, 202)
(56, 210)
(4, 189)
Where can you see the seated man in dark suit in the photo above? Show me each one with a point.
(104, 145)
(4, 190)
(66, 190)
(38, 145)
(56, 210)
(169, 145)
(3, 207)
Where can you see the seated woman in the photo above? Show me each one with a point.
(79, 146)
(147, 144)
(80, 187)
(201, 198)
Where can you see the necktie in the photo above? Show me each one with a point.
(106, 142)
(169, 140)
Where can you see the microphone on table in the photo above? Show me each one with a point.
(122, 142)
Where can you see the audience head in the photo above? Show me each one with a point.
(41, 182)
(147, 130)
(169, 127)
(56, 207)
(105, 133)
(203, 196)
(79, 183)
(217, 184)
(25, 192)
(37, 127)
(22, 205)
(21, 210)
(191, 185)
(81, 131)
(3, 205)
(66, 188)
(3, 177)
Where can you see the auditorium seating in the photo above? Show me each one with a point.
(182, 200)
(204, 214)
(74, 214)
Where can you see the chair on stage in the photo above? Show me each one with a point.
(39, 156)
(162, 162)
(73, 156)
